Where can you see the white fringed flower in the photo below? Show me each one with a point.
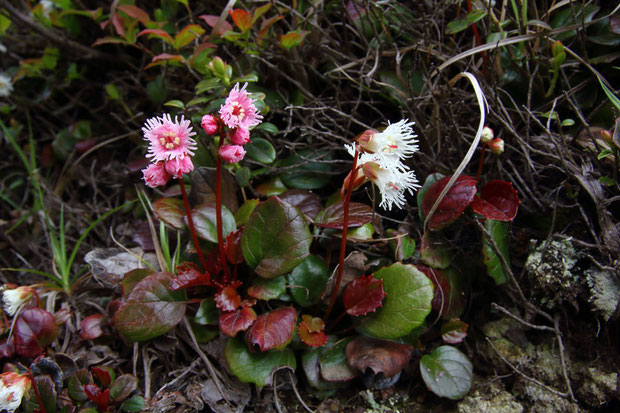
(12, 389)
(13, 299)
(396, 142)
(392, 183)
(6, 86)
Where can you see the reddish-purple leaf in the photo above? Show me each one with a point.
(212, 20)
(307, 202)
(453, 204)
(142, 237)
(363, 295)
(274, 329)
(449, 299)
(311, 331)
(95, 395)
(454, 331)
(188, 275)
(333, 215)
(34, 329)
(235, 321)
(232, 246)
(227, 299)
(102, 375)
(380, 356)
(498, 201)
(135, 12)
(91, 327)
(162, 34)
(7, 347)
(171, 211)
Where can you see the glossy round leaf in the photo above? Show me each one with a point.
(333, 363)
(333, 215)
(453, 204)
(274, 329)
(447, 372)
(408, 302)
(171, 211)
(235, 321)
(255, 367)
(261, 150)
(207, 313)
(205, 221)
(363, 295)
(276, 238)
(498, 200)
(151, 309)
(267, 289)
(379, 356)
(306, 201)
(34, 330)
(91, 327)
(307, 280)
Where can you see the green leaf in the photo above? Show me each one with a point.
(243, 213)
(333, 363)
(112, 91)
(207, 313)
(47, 392)
(292, 39)
(607, 180)
(132, 278)
(256, 367)
(610, 95)
(499, 233)
(447, 372)
(604, 153)
(135, 404)
(435, 251)
(123, 387)
(175, 103)
(151, 309)
(306, 174)
(243, 175)
(261, 150)
(310, 362)
(247, 78)
(268, 127)
(307, 281)
(276, 238)
(408, 302)
(268, 289)
(568, 122)
(205, 221)
(208, 84)
(464, 22)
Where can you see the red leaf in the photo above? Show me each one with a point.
(34, 329)
(7, 347)
(135, 12)
(227, 299)
(188, 275)
(232, 246)
(233, 322)
(102, 375)
(453, 204)
(380, 356)
(168, 56)
(85, 145)
(274, 329)
(441, 286)
(91, 327)
(454, 331)
(363, 295)
(333, 215)
(212, 21)
(242, 19)
(306, 201)
(498, 201)
(95, 395)
(162, 34)
(117, 22)
(311, 331)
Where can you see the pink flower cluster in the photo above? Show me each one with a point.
(170, 146)
(238, 113)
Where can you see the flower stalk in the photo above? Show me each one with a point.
(218, 209)
(192, 228)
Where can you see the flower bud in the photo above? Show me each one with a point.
(497, 146)
(487, 135)
(209, 124)
(179, 166)
(156, 175)
(12, 389)
(240, 136)
(231, 153)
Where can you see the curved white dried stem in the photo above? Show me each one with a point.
(482, 104)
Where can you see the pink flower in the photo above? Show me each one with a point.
(240, 136)
(155, 175)
(177, 167)
(239, 109)
(231, 153)
(169, 140)
(497, 146)
(210, 124)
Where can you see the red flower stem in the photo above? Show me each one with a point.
(343, 241)
(336, 321)
(36, 393)
(476, 35)
(479, 172)
(192, 228)
(218, 208)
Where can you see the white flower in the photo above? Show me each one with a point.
(6, 86)
(12, 389)
(392, 183)
(396, 142)
(487, 135)
(47, 6)
(2, 48)
(13, 299)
